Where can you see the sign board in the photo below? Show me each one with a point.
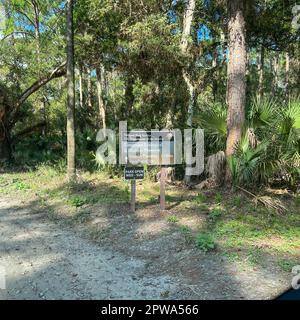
(153, 147)
(134, 173)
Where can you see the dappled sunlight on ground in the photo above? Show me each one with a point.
(254, 248)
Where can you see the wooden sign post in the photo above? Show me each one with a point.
(133, 173)
(162, 188)
(133, 195)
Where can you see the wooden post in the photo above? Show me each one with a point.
(133, 193)
(162, 188)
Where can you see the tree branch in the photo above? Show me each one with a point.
(56, 73)
(30, 130)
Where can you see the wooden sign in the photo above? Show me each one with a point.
(146, 147)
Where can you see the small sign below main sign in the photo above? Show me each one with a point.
(134, 173)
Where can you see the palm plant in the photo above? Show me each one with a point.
(213, 121)
(289, 134)
(270, 143)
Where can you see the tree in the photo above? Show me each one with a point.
(260, 69)
(101, 104)
(186, 33)
(71, 169)
(236, 82)
(10, 110)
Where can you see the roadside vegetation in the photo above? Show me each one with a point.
(233, 225)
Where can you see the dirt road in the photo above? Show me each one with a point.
(48, 260)
(44, 261)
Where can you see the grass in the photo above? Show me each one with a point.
(229, 223)
(200, 198)
(287, 265)
(205, 242)
(172, 219)
(215, 214)
(77, 201)
(187, 233)
(218, 198)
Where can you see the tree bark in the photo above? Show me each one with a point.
(5, 150)
(186, 32)
(260, 69)
(80, 87)
(100, 89)
(71, 169)
(214, 75)
(287, 72)
(89, 88)
(275, 70)
(187, 24)
(236, 73)
(5, 145)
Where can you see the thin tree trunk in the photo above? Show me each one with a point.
(187, 24)
(80, 87)
(101, 105)
(275, 70)
(260, 69)
(37, 32)
(45, 127)
(236, 73)
(5, 149)
(71, 169)
(5, 145)
(214, 75)
(38, 54)
(287, 72)
(89, 88)
(186, 32)
(129, 97)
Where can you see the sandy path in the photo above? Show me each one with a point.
(45, 261)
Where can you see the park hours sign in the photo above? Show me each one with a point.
(134, 173)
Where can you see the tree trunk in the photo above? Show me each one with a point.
(89, 88)
(5, 145)
(71, 170)
(80, 87)
(275, 70)
(129, 97)
(101, 105)
(5, 151)
(186, 32)
(287, 72)
(38, 55)
(236, 73)
(260, 69)
(214, 75)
